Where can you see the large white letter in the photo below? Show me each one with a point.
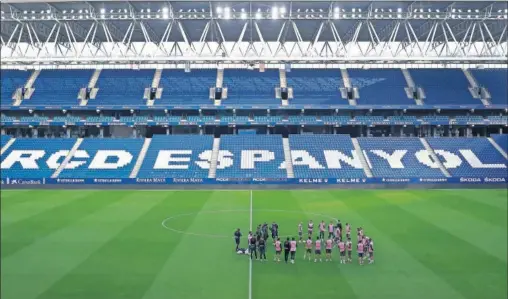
(334, 157)
(423, 156)
(54, 160)
(394, 160)
(100, 159)
(166, 156)
(301, 157)
(473, 160)
(224, 160)
(27, 159)
(450, 159)
(250, 157)
(206, 159)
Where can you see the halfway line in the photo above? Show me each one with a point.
(250, 259)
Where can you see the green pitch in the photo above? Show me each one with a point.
(449, 244)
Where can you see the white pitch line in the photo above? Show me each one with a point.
(250, 259)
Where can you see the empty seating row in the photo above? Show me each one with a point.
(501, 140)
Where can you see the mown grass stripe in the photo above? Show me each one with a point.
(204, 267)
(489, 238)
(449, 257)
(396, 272)
(25, 232)
(35, 206)
(34, 269)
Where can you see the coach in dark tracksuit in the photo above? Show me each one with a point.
(287, 249)
(237, 236)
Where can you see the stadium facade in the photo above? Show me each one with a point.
(238, 92)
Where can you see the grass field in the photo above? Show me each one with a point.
(430, 244)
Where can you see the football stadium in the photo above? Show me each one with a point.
(254, 149)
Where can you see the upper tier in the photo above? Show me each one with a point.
(312, 88)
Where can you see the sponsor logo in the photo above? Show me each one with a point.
(25, 182)
(107, 181)
(395, 180)
(433, 180)
(494, 180)
(188, 180)
(470, 180)
(70, 181)
(151, 180)
(350, 181)
(313, 181)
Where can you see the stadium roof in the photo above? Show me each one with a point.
(237, 30)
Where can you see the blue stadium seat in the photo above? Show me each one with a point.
(377, 150)
(122, 87)
(167, 118)
(338, 118)
(265, 164)
(495, 82)
(402, 118)
(68, 119)
(95, 167)
(370, 118)
(58, 87)
(503, 120)
(440, 118)
(469, 118)
(444, 86)
(184, 164)
(380, 87)
(481, 149)
(315, 145)
(7, 118)
(315, 87)
(247, 87)
(4, 139)
(36, 147)
(10, 80)
(98, 119)
(181, 88)
(137, 119)
(34, 118)
(501, 140)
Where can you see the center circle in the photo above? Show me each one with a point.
(183, 232)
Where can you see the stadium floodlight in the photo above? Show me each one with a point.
(243, 15)
(25, 12)
(219, 10)
(103, 11)
(399, 9)
(227, 13)
(258, 15)
(282, 9)
(275, 13)
(421, 9)
(165, 13)
(353, 10)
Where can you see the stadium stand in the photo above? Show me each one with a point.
(113, 158)
(163, 119)
(469, 157)
(10, 81)
(444, 86)
(495, 82)
(315, 87)
(498, 119)
(7, 118)
(181, 88)
(58, 87)
(396, 157)
(39, 157)
(469, 118)
(250, 157)
(34, 118)
(251, 87)
(501, 140)
(122, 87)
(310, 160)
(182, 162)
(380, 86)
(136, 119)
